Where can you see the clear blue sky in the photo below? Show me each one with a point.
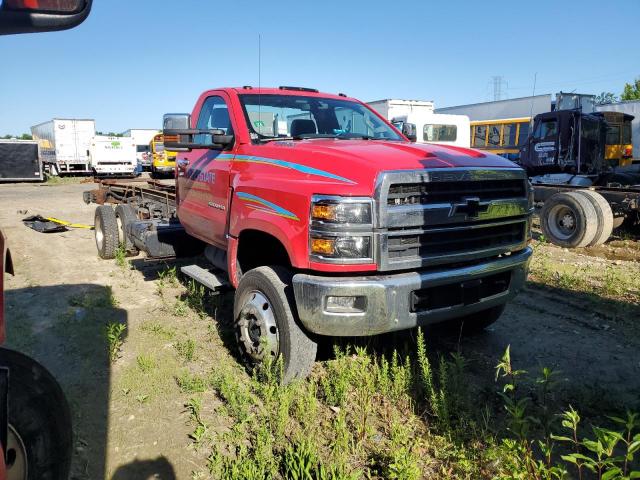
(134, 60)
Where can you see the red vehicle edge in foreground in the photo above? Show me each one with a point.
(35, 421)
(327, 220)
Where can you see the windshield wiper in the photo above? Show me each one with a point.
(277, 139)
(302, 136)
(358, 136)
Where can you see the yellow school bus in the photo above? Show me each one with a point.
(162, 161)
(502, 137)
(618, 150)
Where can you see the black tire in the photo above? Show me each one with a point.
(106, 232)
(603, 214)
(475, 322)
(40, 431)
(254, 335)
(618, 221)
(124, 216)
(569, 220)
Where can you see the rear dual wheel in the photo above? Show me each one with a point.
(110, 230)
(576, 219)
(125, 215)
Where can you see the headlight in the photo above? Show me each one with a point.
(347, 247)
(341, 211)
(341, 229)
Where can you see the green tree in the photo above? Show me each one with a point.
(26, 136)
(605, 98)
(631, 90)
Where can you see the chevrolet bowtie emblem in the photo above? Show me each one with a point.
(470, 206)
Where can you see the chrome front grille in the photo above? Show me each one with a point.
(450, 215)
(448, 191)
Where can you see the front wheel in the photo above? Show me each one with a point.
(39, 441)
(266, 324)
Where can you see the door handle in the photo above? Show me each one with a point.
(183, 163)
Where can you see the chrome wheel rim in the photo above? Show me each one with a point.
(562, 222)
(120, 230)
(17, 466)
(99, 235)
(258, 329)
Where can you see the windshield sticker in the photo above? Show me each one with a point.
(258, 123)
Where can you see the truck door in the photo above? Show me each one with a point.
(203, 178)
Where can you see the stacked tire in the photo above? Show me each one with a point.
(580, 218)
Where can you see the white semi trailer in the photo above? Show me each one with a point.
(64, 143)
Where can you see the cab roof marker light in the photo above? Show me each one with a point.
(298, 89)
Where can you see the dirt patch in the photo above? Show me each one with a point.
(133, 418)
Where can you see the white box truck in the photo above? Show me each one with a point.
(390, 108)
(142, 138)
(417, 117)
(64, 143)
(112, 156)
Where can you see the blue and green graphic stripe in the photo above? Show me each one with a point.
(283, 164)
(267, 206)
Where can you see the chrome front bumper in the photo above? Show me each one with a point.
(386, 300)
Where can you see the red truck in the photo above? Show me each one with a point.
(35, 421)
(326, 220)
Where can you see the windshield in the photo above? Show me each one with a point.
(159, 146)
(292, 116)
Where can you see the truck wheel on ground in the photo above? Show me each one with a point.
(476, 322)
(124, 216)
(604, 215)
(106, 232)
(265, 322)
(618, 221)
(39, 443)
(569, 220)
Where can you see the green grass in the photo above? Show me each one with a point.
(158, 330)
(146, 363)
(66, 180)
(403, 416)
(101, 298)
(191, 383)
(121, 256)
(186, 349)
(115, 332)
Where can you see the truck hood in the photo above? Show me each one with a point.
(361, 160)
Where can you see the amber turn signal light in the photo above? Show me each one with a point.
(323, 246)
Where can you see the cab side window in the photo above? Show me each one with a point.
(213, 115)
(546, 129)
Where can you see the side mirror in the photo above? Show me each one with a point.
(409, 131)
(30, 16)
(179, 137)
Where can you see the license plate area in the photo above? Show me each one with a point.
(459, 293)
